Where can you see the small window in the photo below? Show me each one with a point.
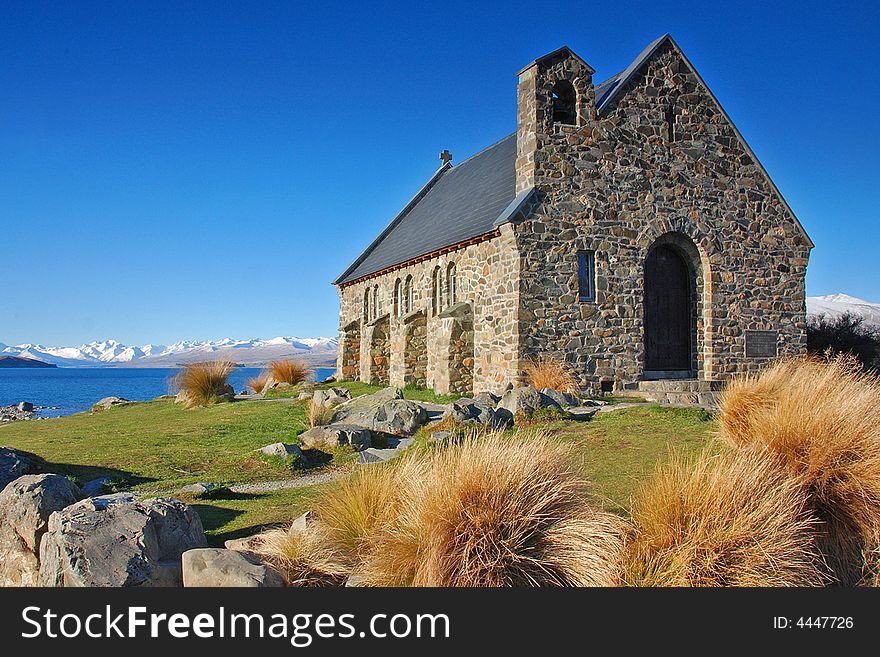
(375, 301)
(586, 276)
(367, 305)
(450, 284)
(408, 295)
(670, 124)
(564, 103)
(437, 290)
(397, 307)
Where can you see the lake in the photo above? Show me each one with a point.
(67, 390)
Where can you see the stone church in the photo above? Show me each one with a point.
(625, 228)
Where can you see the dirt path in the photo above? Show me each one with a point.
(298, 482)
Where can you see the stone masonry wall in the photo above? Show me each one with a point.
(487, 278)
(614, 184)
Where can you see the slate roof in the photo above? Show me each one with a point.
(460, 202)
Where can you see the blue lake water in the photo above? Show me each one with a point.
(63, 391)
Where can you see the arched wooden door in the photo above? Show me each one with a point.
(668, 311)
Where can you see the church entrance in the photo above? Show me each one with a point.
(670, 318)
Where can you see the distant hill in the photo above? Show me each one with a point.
(255, 353)
(834, 305)
(15, 361)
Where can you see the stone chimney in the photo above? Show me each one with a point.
(555, 96)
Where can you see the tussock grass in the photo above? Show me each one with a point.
(493, 511)
(822, 418)
(289, 371)
(258, 383)
(547, 372)
(320, 414)
(202, 383)
(733, 519)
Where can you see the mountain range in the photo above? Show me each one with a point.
(314, 351)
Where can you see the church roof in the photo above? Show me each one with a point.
(459, 203)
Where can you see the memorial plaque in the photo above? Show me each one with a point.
(760, 344)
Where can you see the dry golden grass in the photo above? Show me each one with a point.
(823, 419)
(546, 372)
(258, 382)
(320, 414)
(735, 519)
(202, 383)
(289, 371)
(496, 511)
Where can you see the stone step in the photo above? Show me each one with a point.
(681, 392)
(679, 385)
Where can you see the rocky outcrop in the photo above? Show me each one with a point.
(337, 434)
(25, 507)
(384, 412)
(20, 411)
(116, 540)
(217, 567)
(526, 400)
(562, 398)
(283, 451)
(471, 411)
(13, 464)
(330, 397)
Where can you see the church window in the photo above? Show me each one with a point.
(564, 103)
(367, 305)
(408, 295)
(586, 261)
(398, 308)
(437, 290)
(450, 284)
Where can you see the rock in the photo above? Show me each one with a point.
(403, 443)
(304, 396)
(329, 379)
(470, 411)
(115, 540)
(181, 397)
(526, 399)
(373, 455)
(439, 436)
(283, 451)
(356, 581)
(25, 507)
(595, 402)
(337, 434)
(385, 412)
(280, 385)
(13, 464)
(487, 399)
(96, 486)
(330, 397)
(563, 399)
(109, 402)
(245, 393)
(25, 407)
(302, 523)
(248, 544)
(203, 488)
(218, 567)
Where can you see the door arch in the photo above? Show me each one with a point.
(670, 317)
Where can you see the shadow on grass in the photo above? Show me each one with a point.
(82, 474)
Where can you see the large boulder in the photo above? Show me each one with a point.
(25, 507)
(487, 399)
(562, 398)
(109, 402)
(218, 567)
(384, 412)
(283, 451)
(337, 434)
(471, 411)
(526, 400)
(13, 464)
(116, 540)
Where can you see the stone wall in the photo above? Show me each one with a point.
(349, 362)
(486, 277)
(615, 185)
(452, 350)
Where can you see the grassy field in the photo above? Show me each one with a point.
(160, 446)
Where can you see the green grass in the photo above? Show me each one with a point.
(160, 445)
(619, 450)
(358, 388)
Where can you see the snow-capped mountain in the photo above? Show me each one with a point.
(834, 305)
(113, 353)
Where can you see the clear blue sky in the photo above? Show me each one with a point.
(201, 170)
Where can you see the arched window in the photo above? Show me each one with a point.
(450, 284)
(437, 290)
(367, 305)
(564, 103)
(375, 301)
(397, 308)
(408, 295)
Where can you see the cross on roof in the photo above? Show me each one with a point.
(445, 156)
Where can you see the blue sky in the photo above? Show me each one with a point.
(201, 170)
